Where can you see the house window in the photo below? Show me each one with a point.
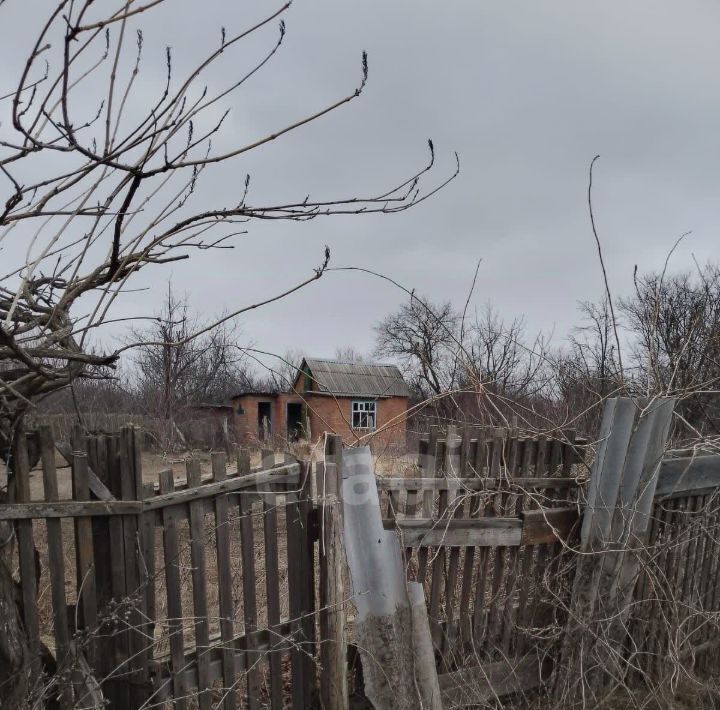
(363, 415)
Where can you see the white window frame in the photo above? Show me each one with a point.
(364, 412)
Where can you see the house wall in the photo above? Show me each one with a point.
(246, 422)
(335, 415)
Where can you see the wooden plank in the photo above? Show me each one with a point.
(249, 589)
(272, 587)
(286, 473)
(26, 552)
(141, 689)
(134, 619)
(452, 574)
(512, 563)
(687, 474)
(243, 462)
(103, 553)
(524, 612)
(480, 532)
(174, 601)
(475, 484)
(548, 525)
(87, 599)
(333, 656)
(225, 590)
(198, 540)
(118, 687)
(296, 583)
(148, 574)
(308, 540)
(56, 568)
(427, 511)
(482, 684)
(433, 534)
(97, 487)
(68, 509)
(476, 508)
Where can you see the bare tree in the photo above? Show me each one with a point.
(120, 194)
(675, 323)
(348, 353)
(588, 370)
(501, 358)
(173, 371)
(422, 337)
(279, 371)
(94, 198)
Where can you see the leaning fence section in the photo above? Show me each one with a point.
(487, 526)
(197, 590)
(677, 597)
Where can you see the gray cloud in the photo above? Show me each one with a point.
(526, 92)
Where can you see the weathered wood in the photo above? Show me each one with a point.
(308, 540)
(87, 600)
(174, 602)
(118, 687)
(26, 552)
(225, 590)
(427, 511)
(97, 486)
(272, 588)
(680, 476)
(56, 567)
(135, 594)
(285, 473)
(243, 462)
(481, 684)
(476, 532)
(68, 509)
(333, 654)
(147, 579)
(548, 525)
(474, 484)
(296, 585)
(249, 589)
(198, 541)
(102, 556)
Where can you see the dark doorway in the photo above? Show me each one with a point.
(264, 420)
(295, 421)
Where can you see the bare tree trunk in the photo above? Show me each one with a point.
(14, 650)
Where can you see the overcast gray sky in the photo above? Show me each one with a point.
(526, 92)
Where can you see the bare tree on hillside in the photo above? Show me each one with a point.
(102, 182)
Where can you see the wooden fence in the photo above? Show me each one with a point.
(486, 529)
(197, 589)
(225, 588)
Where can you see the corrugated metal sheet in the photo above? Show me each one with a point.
(355, 378)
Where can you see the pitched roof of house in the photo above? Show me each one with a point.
(356, 378)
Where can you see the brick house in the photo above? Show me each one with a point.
(351, 399)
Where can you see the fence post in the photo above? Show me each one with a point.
(622, 486)
(243, 461)
(333, 653)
